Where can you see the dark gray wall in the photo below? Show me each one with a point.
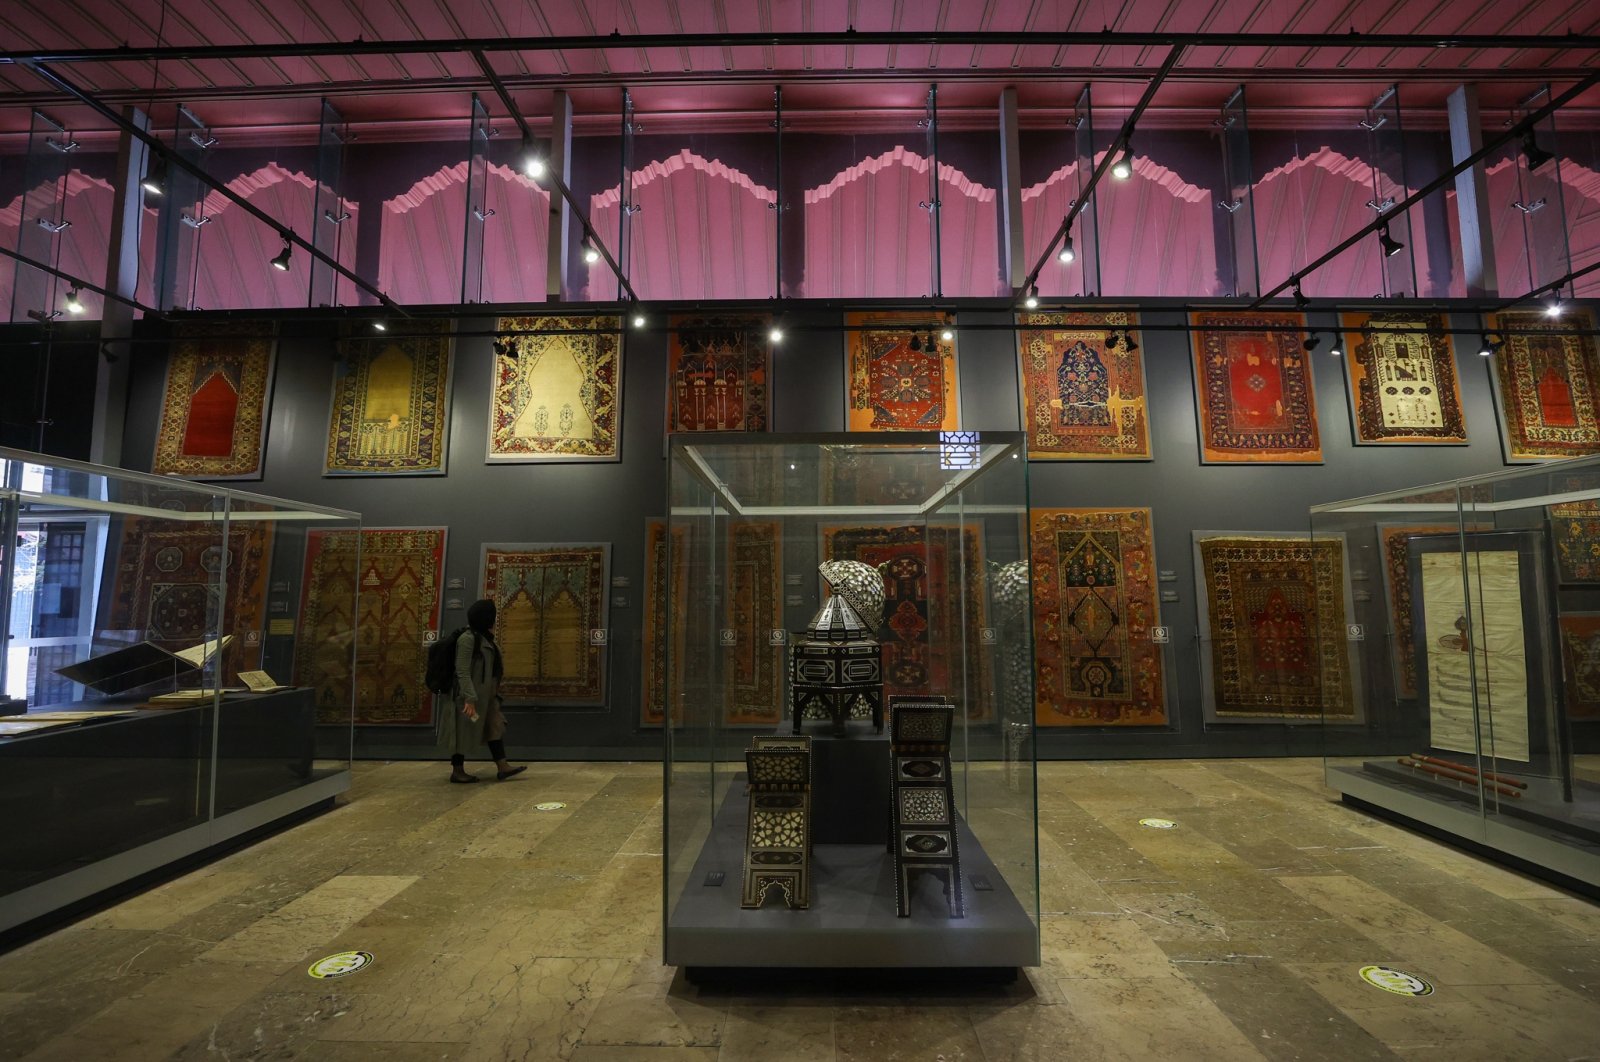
(610, 502)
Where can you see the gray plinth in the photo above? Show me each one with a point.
(851, 921)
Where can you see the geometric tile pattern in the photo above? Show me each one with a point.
(922, 835)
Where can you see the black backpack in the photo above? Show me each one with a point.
(440, 676)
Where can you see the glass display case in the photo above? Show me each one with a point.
(879, 582)
(150, 705)
(1479, 631)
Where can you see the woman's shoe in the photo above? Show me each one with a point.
(462, 777)
(501, 776)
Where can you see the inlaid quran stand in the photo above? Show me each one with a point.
(836, 667)
(778, 834)
(922, 835)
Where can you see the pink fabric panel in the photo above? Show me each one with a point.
(515, 239)
(420, 240)
(1156, 234)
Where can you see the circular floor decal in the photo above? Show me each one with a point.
(1397, 981)
(346, 962)
(1158, 824)
(549, 805)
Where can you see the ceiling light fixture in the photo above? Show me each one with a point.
(776, 334)
(1535, 155)
(74, 301)
(155, 178)
(1336, 349)
(639, 319)
(1485, 347)
(532, 161)
(1390, 245)
(1300, 300)
(1112, 339)
(948, 334)
(1312, 342)
(280, 261)
(1128, 342)
(1122, 169)
(379, 326)
(591, 253)
(916, 343)
(1552, 306)
(1066, 254)
(1032, 301)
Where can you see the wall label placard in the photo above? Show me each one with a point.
(1161, 635)
(1356, 632)
(597, 636)
(455, 584)
(1169, 595)
(777, 636)
(1167, 575)
(621, 582)
(280, 628)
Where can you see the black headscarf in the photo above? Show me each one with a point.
(480, 617)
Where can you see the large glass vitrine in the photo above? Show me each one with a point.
(1480, 636)
(151, 703)
(940, 521)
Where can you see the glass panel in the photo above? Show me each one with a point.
(417, 191)
(599, 161)
(478, 215)
(749, 524)
(1386, 153)
(1242, 276)
(515, 239)
(39, 230)
(333, 219)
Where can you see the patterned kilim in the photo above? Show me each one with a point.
(659, 623)
(1403, 383)
(924, 643)
(1580, 654)
(1082, 398)
(166, 587)
(1254, 388)
(1549, 380)
(1575, 530)
(753, 666)
(900, 379)
(717, 373)
(214, 409)
(850, 477)
(1094, 600)
(396, 619)
(556, 395)
(1397, 577)
(549, 598)
(391, 404)
(1276, 613)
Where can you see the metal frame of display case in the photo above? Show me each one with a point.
(225, 766)
(967, 487)
(1476, 733)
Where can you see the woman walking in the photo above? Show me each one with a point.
(477, 718)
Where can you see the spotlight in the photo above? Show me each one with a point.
(1128, 342)
(1336, 349)
(533, 165)
(1300, 300)
(1112, 339)
(948, 334)
(638, 319)
(281, 260)
(1032, 301)
(1536, 155)
(379, 326)
(1485, 348)
(1066, 254)
(591, 253)
(916, 342)
(776, 335)
(1122, 169)
(74, 302)
(1552, 306)
(1312, 342)
(155, 178)
(1390, 245)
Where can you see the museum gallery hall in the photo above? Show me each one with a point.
(602, 530)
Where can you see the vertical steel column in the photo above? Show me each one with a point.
(1013, 255)
(122, 278)
(931, 122)
(328, 213)
(777, 204)
(1472, 195)
(558, 242)
(1238, 198)
(1088, 239)
(478, 212)
(626, 206)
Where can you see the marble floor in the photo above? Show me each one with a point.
(504, 932)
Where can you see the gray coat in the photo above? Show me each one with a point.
(475, 681)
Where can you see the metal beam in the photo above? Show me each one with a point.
(1106, 160)
(890, 39)
(1472, 195)
(173, 158)
(554, 177)
(1511, 133)
(79, 282)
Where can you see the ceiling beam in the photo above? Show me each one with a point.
(1086, 195)
(172, 158)
(1490, 146)
(550, 173)
(846, 38)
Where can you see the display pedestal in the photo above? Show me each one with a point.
(851, 921)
